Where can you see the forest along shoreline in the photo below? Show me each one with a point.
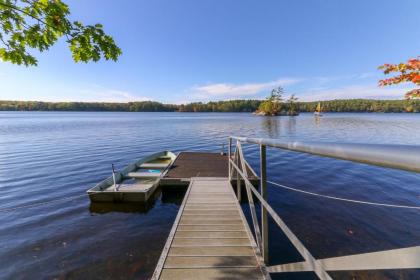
(341, 105)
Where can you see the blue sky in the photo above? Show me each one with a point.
(183, 51)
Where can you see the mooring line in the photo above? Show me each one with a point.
(39, 203)
(344, 199)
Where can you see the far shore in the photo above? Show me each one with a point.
(240, 106)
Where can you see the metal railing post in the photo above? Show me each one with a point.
(229, 155)
(238, 180)
(263, 190)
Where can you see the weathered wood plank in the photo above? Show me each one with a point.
(211, 234)
(210, 212)
(217, 217)
(210, 262)
(211, 222)
(211, 242)
(212, 274)
(210, 227)
(211, 207)
(212, 251)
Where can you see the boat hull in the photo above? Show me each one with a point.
(144, 185)
(122, 196)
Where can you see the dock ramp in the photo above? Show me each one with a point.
(210, 238)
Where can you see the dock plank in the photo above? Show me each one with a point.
(210, 261)
(211, 227)
(229, 273)
(211, 234)
(210, 238)
(212, 251)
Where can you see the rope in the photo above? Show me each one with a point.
(39, 203)
(345, 199)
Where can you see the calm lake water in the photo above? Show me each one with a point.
(48, 156)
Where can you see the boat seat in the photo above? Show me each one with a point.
(135, 187)
(165, 157)
(154, 165)
(144, 174)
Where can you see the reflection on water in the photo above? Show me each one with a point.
(272, 125)
(47, 156)
(124, 207)
(173, 195)
(168, 196)
(317, 120)
(291, 125)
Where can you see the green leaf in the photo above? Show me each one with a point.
(39, 24)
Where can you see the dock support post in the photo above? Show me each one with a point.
(264, 222)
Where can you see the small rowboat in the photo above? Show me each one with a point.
(136, 182)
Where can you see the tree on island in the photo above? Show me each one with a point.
(292, 105)
(408, 72)
(273, 104)
(28, 24)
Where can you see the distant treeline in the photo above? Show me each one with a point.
(221, 106)
(144, 106)
(348, 105)
(363, 105)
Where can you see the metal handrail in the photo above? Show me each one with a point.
(310, 260)
(406, 157)
(407, 257)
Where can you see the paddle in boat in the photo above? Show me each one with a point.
(136, 182)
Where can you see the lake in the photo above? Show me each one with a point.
(47, 157)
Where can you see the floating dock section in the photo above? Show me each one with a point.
(189, 165)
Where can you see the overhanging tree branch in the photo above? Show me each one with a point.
(87, 43)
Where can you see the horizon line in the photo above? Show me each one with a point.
(194, 102)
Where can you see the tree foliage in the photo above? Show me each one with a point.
(273, 104)
(363, 106)
(221, 106)
(38, 24)
(407, 72)
(143, 106)
(413, 94)
(292, 107)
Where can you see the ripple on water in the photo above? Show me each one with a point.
(45, 156)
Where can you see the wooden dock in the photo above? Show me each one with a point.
(210, 238)
(189, 165)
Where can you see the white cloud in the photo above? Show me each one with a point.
(227, 90)
(108, 95)
(353, 91)
(323, 87)
(90, 93)
(322, 80)
(362, 85)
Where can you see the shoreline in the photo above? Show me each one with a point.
(229, 106)
(231, 112)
